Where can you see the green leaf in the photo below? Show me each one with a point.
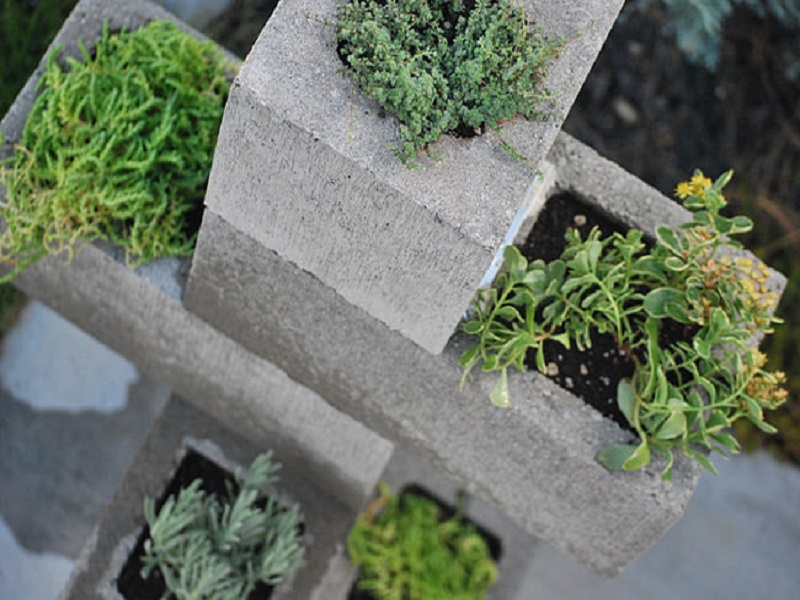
(673, 427)
(728, 441)
(626, 400)
(500, 395)
(666, 302)
(540, 359)
(624, 457)
(670, 239)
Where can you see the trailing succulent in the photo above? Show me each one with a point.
(220, 548)
(445, 65)
(684, 394)
(407, 550)
(117, 147)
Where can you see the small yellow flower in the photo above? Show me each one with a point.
(699, 183)
(683, 190)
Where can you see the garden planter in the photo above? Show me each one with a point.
(139, 314)
(304, 168)
(181, 432)
(535, 461)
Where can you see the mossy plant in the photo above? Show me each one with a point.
(682, 395)
(446, 65)
(116, 147)
(220, 548)
(407, 550)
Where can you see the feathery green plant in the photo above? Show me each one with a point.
(441, 65)
(211, 548)
(409, 552)
(118, 147)
(682, 395)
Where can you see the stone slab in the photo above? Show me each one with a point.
(139, 314)
(325, 574)
(303, 165)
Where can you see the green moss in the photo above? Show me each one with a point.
(445, 65)
(118, 147)
(410, 551)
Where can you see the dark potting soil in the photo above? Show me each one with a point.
(215, 480)
(446, 512)
(592, 375)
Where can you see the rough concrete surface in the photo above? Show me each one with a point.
(534, 461)
(179, 428)
(303, 165)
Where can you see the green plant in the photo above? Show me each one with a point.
(698, 25)
(445, 65)
(683, 394)
(118, 147)
(207, 547)
(407, 551)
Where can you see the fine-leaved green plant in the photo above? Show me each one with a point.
(441, 65)
(207, 547)
(117, 147)
(683, 394)
(406, 550)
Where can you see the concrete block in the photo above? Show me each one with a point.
(303, 166)
(534, 461)
(326, 572)
(139, 314)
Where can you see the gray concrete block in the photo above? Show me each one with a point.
(139, 314)
(534, 461)
(325, 574)
(303, 166)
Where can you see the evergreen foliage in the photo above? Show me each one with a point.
(219, 549)
(117, 147)
(408, 551)
(441, 65)
(683, 395)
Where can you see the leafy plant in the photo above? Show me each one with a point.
(407, 550)
(698, 25)
(207, 547)
(118, 147)
(445, 65)
(685, 394)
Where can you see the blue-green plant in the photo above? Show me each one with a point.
(118, 146)
(682, 395)
(408, 550)
(697, 25)
(207, 547)
(439, 65)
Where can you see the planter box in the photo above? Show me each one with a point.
(139, 314)
(180, 429)
(535, 461)
(303, 167)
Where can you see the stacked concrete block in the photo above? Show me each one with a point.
(139, 314)
(325, 574)
(307, 170)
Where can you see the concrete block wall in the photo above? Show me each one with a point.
(140, 315)
(307, 171)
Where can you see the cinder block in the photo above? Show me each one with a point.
(139, 314)
(534, 461)
(326, 572)
(304, 167)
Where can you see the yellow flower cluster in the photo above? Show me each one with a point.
(764, 385)
(694, 187)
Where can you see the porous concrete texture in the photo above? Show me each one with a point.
(534, 461)
(139, 314)
(325, 573)
(304, 166)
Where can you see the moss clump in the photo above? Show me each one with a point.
(117, 147)
(411, 551)
(445, 65)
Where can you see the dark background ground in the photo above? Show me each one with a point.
(644, 106)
